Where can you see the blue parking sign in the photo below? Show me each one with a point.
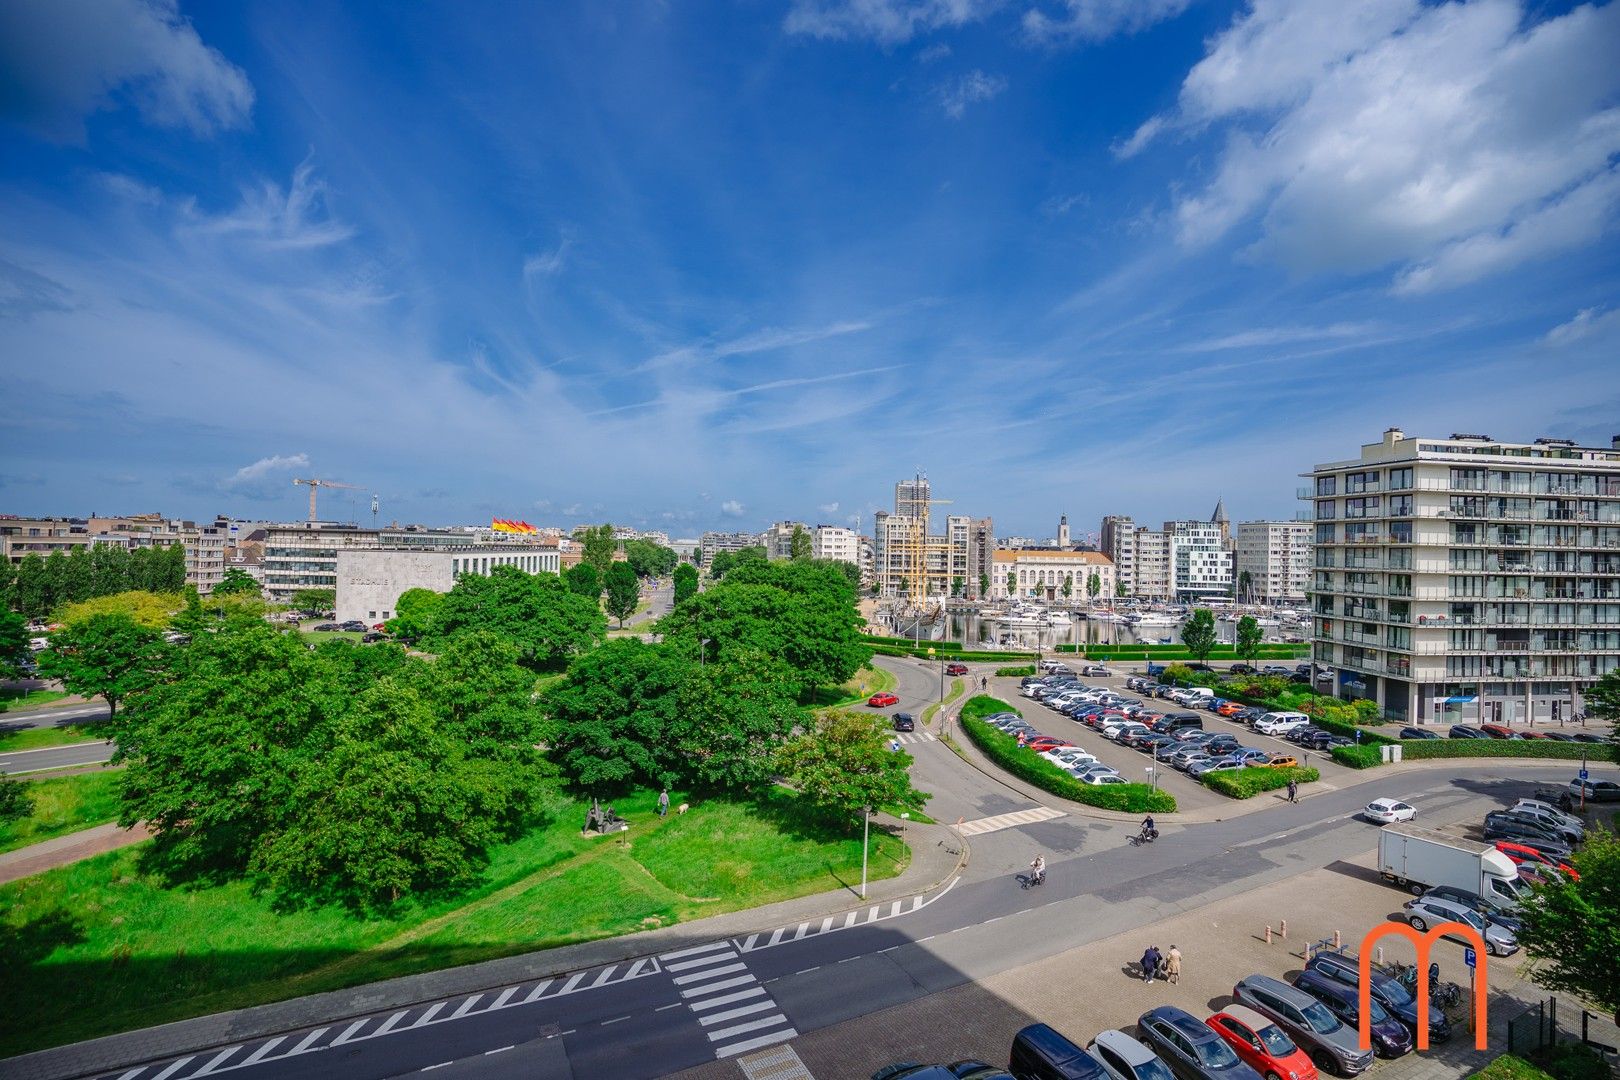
(1585, 775)
(1469, 958)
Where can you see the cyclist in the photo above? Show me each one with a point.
(1037, 870)
(1149, 832)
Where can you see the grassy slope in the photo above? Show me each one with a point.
(64, 805)
(39, 738)
(99, 946)
(30, 699)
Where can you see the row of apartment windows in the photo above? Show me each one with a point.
(1534, 483)
(1531, 667)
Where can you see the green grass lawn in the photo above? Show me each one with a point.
(867, 681)
(1508, 1067)
(100, 947)
(64, 805)
(30, 699)
(39, 738)
(315, 637)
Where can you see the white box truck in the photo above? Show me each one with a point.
(1420, 859)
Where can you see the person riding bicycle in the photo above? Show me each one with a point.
(1149, 832)
(1037, 870)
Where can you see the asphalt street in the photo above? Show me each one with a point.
(55, 757)
(732, 996)
(55, 716)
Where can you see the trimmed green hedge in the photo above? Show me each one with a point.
(949, 654)
(1417, 749)
(1358, 757)
(1247, 783)
(1179, 652)
(1015, 672)
(1004, 751)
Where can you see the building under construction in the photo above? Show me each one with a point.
(910, 560)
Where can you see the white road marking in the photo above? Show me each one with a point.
(259, 1054)
(303, 1047)
(712, 958)
(726, 999)
(173, 1068)
(741, 1010)
(466, 1007)
(500, 1050)
(741, 1029)
(723, 984)
(755, 1044)
(695, 950)
(728, 969)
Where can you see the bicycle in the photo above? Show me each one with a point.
(1145, 836)
(1030, 880)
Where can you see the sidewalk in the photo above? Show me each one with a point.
(936, 856)
(47, 854)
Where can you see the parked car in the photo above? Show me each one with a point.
(1229, 709)
(1547, 809)
(1522, 832)
(1277, 670)
(1453, 894)
(1126, 1059)
(1278, 723)
(1278, 761)
(1425, 911)
(1188, 1045)
(1390, 1037)
(1419, 733)
(1263, 1046)
(956, 669)
(1225, 764)
(1099, 779)
(1594, 790)
(1499, 731)
(1556, 827)
(1385, 811)
(1242, 669)
(1221, 745)
(1463, 731)
(1040, 1052)
(956, 1070)
(882, 700)
(1522, 854)
(904, 721)
(1331, 1044)
(1096, 671)
(1388, 992)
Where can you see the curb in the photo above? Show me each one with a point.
(112, 1052)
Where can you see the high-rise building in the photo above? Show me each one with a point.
(911, 561)
(981, 555)
(1467, 579)
(1155, 579)
(1118, 542)
(1273, 561)
(712, 543)
(1200, 564)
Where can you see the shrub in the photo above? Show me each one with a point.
(1358, 757)
(1006, 753)
(1247, 783)
(1016, 672)
(1529, 748)
(1572, 1061)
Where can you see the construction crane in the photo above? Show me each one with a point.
(315, 485)
(915, 501)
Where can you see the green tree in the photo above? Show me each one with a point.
(851, 572)
(609, 719)
(415, 613)
(1093, 585)
(109, 571)
(78, 576)
(984, 585)
(726, 561)
(237, 582)
(1571, 933)
(1249, 637)
(583, 580)
(1198, 633)
(487, 700)
(957, 585)
(543, 619)
(623, 592)
(56, 576)
(649, 559)
(599, 546)
(170, 570)
(14, 638)
(16, 802)
(686, 582)
(153, 610)
(844, 764)
(1119, 589)
(315, 599)
(1245, 587)
(731, 716)
(106, 656)
(31, 589)
(799, 546)
(1603, 700)
(1068, 586)
(1012, 583)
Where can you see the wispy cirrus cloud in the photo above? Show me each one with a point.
(975, 86)
(760, 341)
(1281, 335)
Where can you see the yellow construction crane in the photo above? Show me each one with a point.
(917, 504)
(315, 485)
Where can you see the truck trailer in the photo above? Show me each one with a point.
(1420, 859)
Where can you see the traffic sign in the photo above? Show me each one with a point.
(1469, 958)
(1585, 775)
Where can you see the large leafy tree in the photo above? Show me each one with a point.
(1093, 585)
(108, 572)
(623, 591)
(31, 588)
(316, 599)
(649, 559)
(731, 717)
(486, 698)
(1603, 700)
(582, 579)
(1249, 637)
(106, 656)
(1198, 633)
(599, 546)
(237, 582)
(414, 614)
(799, 546)
(541, 617)
(844, 765)
(609, 719)
(1571, 933)
(154, 610)
(686, 582)
(726, 561)
(14, 638)
(79, 577)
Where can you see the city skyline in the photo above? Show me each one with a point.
(692, 273)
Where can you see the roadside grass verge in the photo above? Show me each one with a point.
(41, 737)
(1004, 751)
(867, 681)
(64, 805)
(103, 946)
(29, 699)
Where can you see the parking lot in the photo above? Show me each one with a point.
(1133, 764)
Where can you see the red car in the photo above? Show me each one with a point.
(1521, 854)
(882, 700)
(1499, 731)
(1044, 742)
(956, 669)
(1263, 1046)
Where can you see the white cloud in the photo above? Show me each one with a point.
(1280, 335)
(888, 22)
(295, 218)
(1097, 20)
(828, 508)
(937, 51)
(1588, 323)
(548, 263)
(61, 60)
(767, 340)
(732, 508)
(265, 466)
(1451, 141)
(975, 86)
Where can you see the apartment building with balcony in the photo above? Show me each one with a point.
(1467, 579)
(1273, 561)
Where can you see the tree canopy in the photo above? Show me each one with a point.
(686, 582)
(237, 582)
(414, 614)
(650, 559)
(315, 599)
(1198, 634)
(106, 656)
(152, 610)
(799, 546)
(582, 579)
(843, 765)
(14, 638)
(1249, 637)
(547, 622)
(1603, 699)
(623, 591)
(725, 561)
(39, 586)
(1572, 930)
(599, 546)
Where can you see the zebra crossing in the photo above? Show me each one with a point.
(909, 738)
(736, 1012)
(281, 1047)
(1008, 821)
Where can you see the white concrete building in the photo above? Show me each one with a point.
(1118, 542)
(712, 543)
(371, 581)
(1276, 556)
(779, 538)
(1042, 574)
(1200, 564)
(836, 542)
(1467, 579)
(1155, 576)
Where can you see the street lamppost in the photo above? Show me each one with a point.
(866, 826)
(703, 651)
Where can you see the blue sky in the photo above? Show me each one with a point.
(709, 265)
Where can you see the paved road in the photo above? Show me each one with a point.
(55, 757)
(55, 716)
(732, 997)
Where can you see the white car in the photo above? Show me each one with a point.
(1116, 732)
(1097, 779)
(1568, 821)
(1385, 811)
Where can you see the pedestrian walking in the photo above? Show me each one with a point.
(1150, 963)
(1293, 791)
(1172, 964)
(663, 802)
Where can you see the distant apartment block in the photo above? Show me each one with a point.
(779, 538)
(836, 542)
(204, 544)
(712, 543)
(1200, 564)
(1466, 578)
(1273, 561)
(910, 560)
(1118, 542)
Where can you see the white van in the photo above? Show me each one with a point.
(1197, 695)
(1280, 723)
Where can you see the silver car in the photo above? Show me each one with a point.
(1330, 1042)
(1427, 911)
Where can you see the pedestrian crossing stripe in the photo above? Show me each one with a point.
(914, 737)
(1008, 821)
(735, 1011)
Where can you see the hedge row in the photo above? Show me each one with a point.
(1015, 672)
(1004, 750)
(1247, 783)
(1180, 652)
(1527, 748)
(1358, 757)
(953, 655)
